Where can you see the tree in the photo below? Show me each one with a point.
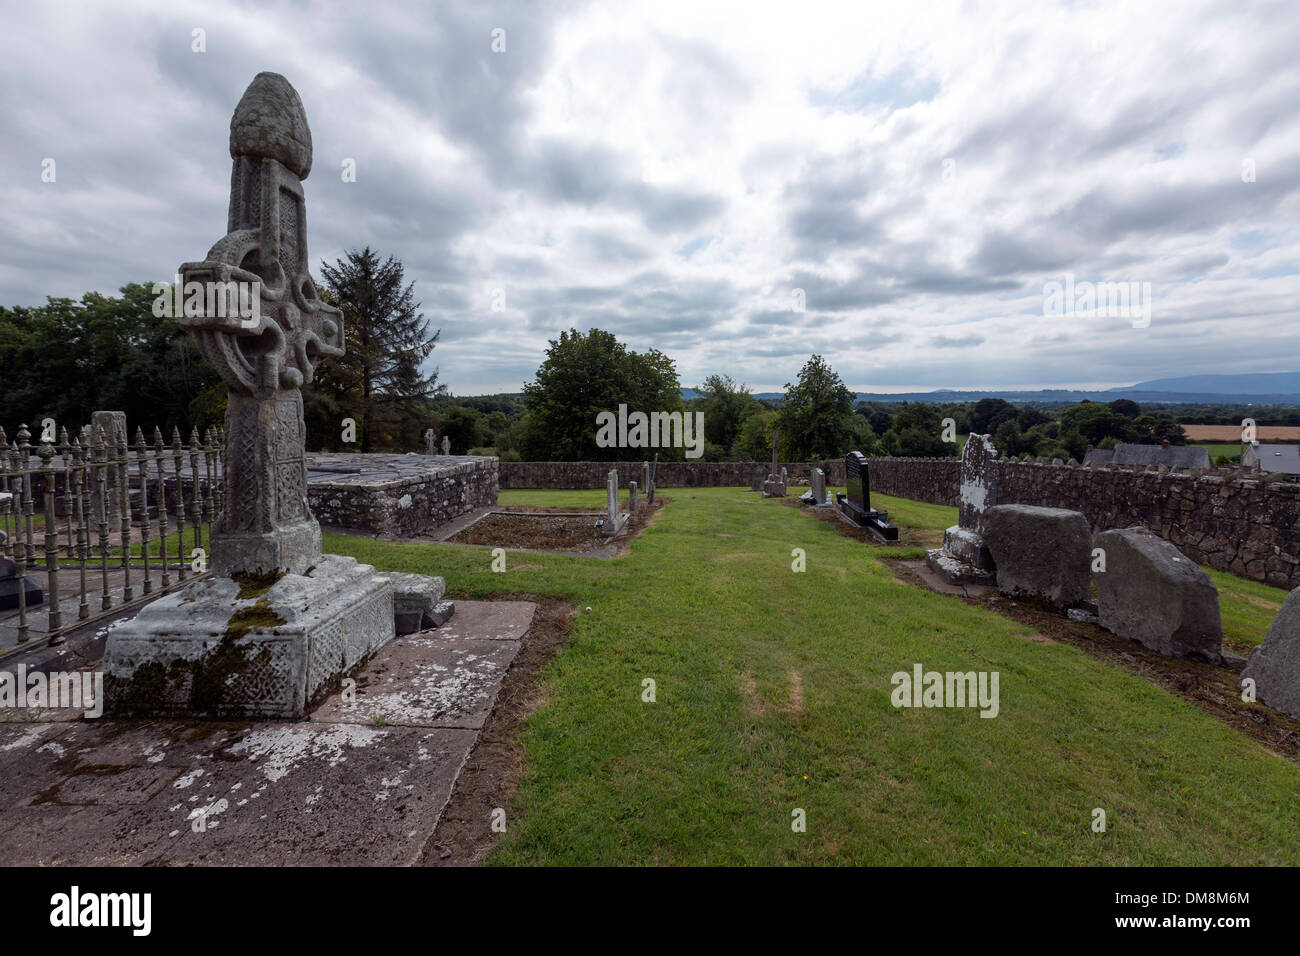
(918, 433)
(66, 359)
(464, 427)
(379, 382)
(725, 406)
(1094, 421)
(817, 415)
(989, 413)
(1126, 407)
(754, 440)
(583, 375)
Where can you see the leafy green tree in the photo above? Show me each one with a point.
(817, 415)
(725, 405)
(464, 427)
(379, 382)
(1094, 421)
(66, 359)
(754, 440)
(1126, 407)
(989, 414)
(585, 374)
(918, 433)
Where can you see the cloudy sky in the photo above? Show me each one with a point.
(683, 173)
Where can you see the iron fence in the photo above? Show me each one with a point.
(89, 507)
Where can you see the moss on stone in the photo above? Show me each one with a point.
(255, 585)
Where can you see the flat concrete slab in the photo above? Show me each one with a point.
(344, 787)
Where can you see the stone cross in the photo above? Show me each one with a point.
(430, 436)
(266, 525)
(446, 445)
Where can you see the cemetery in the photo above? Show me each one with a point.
(358, 657)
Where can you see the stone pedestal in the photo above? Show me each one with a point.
(206, 651)
(11, 584)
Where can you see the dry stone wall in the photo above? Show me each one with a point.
(1245, 525)
(669, 474)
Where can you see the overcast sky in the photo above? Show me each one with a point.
(674, 171)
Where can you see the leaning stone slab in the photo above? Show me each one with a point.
(414, 598)
(1274, 666)
(1151, 592)
(1042, 552)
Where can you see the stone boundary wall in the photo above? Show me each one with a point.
(408, 506)
(1246, 525)
(571, 475)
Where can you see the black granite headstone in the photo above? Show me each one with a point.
(855, 504)
(10, 585)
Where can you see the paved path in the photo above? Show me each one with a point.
(364, 781)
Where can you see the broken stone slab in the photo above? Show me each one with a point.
(1042, 552)
(954, 570)
(414, 598)
(1274, 666)
(442, 612)
(1153, 593)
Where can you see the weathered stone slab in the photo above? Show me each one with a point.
(488, 620)
(1274, 666)
(1152, 593)
(130, 793)
(426, 682)
(1040, 551)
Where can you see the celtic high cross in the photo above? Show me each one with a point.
(266, 525)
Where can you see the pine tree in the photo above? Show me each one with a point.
(379, 383)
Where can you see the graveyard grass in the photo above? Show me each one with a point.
(773, 693)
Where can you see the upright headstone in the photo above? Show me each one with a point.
(964, 557)
(277, 622)
(855, 503)
(756, 478)
(614, 521)
(631, 498)
(446, 445)
(115, 436)
(774, 486)
(430, 440)
(818, 484)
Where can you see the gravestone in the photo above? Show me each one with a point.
(855, 503)
(774, 485)
(11, 585)
(1041, 552)
(446, 445)
(430, 439)
(650, 489)
(1274, 666)
(756, 479)
(115, 437)
(631, 498)
(964, 557)
(614, 521)
(1153, 593)
(645, 478)
(816, 493)
(277, 623)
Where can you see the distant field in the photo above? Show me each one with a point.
(1215, 449)
(1232, 433)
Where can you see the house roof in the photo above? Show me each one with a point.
(1283, 459)
(1175, 456)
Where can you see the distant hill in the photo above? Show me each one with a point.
(1257, 383)
(1261, 388)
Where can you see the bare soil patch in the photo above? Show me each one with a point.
(491, 773)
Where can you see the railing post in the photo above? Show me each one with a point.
(162, 505)
(99, 455)
(208, 462)
(46, 453)
(196, 490)
(124, 503)
(142, 460)
(19, 546)
(65, 455)
(179, 456)
(83, 532)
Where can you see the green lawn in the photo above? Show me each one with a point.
(706, 605)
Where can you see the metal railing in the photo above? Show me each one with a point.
(89, 507)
